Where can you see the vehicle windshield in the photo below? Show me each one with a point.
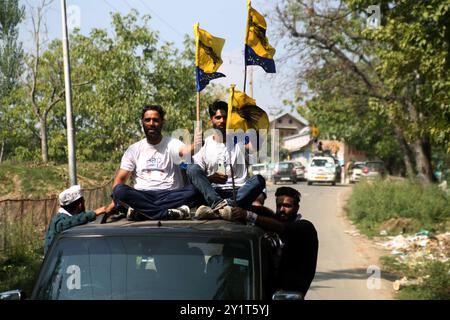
(320, 163)
(358, 165)
(147, 267)
(284, 165)
(258, 167)
(374, 165)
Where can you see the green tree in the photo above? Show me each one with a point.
(397, 67)
(11, 59)
(125, 70)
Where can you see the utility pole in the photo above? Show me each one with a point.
(68, 91)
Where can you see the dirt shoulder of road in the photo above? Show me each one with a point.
(366, 247)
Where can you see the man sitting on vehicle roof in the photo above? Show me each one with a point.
(299, 236)
(159, 191)
(71, 213)
(211, 175)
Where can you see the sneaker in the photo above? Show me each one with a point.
(205, 212)
(220, 205)
(183, 212)
(131, 214)
(225, 213)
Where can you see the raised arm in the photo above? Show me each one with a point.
(189, 149)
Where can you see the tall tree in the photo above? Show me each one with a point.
(11, 58)
(43, 95)
(391, 65)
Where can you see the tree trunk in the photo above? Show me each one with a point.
(421, 153)
(1, 151)
(423, 163)
(406, 151)
(44, 145)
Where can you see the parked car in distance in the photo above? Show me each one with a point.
(300, 170)
(160, 260)
(284, 171)
(260, 168)
(321, 169)
(355, 171)
(373, 169)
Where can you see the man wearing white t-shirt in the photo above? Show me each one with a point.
(211, 173)
(159, 191)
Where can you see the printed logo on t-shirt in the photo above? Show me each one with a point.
(154, 163)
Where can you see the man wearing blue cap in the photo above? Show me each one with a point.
(71, 213)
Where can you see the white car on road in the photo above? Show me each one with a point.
(321, 169)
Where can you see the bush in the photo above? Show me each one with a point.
(374, 202)
(22, 257)
(435, 275)
(20, 271)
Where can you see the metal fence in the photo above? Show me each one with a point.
(26, 220)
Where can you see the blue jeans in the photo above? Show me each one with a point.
(154, 203)
(245, 195)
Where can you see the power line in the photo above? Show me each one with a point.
(111, 6)
(161, 19)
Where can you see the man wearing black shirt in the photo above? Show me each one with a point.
(299, 236)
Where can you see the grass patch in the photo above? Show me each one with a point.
(398, 207)
(32, 180)
(434, 274)
(22, 258)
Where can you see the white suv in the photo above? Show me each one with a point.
(321, 169)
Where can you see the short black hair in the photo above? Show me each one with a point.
(72, 206)
(217, 105)
(290, 192)
(153, 107)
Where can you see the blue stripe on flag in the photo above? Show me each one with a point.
(251, 58)
(204, 78)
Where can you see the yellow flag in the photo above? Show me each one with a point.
(243, 113)
(209, 49)
(258, 50)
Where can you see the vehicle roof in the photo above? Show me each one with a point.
(125, 227)
(322, 158)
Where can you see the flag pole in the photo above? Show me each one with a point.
(230, 109)
(196, 27)
(245, 75)
(249, 4)
(232, 176)
(198, 107)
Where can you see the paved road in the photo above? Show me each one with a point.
(344, 259)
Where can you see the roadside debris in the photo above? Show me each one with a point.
(415, 250)
(352, 233)
(404, 282)
(421, 245)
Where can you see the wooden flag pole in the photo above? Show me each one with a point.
(245, 76)
(230, 107)
(232, 176)
(198, 107)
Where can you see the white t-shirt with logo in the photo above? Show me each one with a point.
(155, 167)
(214, 153)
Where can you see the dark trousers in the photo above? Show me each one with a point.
(154, 203)
(245, 195)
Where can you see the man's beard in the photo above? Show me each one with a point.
(285, 218)
(152, 136)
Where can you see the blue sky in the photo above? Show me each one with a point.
(173, 19)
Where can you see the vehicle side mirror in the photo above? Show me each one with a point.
(13, 295)
(287, 295)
